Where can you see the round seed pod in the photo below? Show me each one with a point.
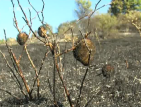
(82, 51)
(22, 38)
(42, 31)
(107, 70)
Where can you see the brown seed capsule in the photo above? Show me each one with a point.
(82, 51)
(42, 31)
(22, 38)
(107, 70)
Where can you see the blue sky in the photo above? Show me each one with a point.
(55, 13)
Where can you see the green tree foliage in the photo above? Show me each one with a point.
(124, 6)
(105, 24)
(134, 17)
(83, 7)
(66, 25)
(63, 27)
(2, 41)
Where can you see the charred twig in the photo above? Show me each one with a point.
(30, 16)
(20, 57)
(72, 37)
(50, 86)
(15, 20)
(89, 16)
(35, 10)
(10, 93)
(39, 70)
(31, 20)
(36, 73)
(91, 13)
(43, 11)
(42, 21)
(88, 102)
(82, 83)
(12, 71)
(27, 22)
(54, 76)
(16, 65)
(66, 51)
(61, 78)
(21, 75)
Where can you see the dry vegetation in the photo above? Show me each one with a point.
(85, 73)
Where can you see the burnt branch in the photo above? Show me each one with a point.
(17, 67)
(27, 22)
(15, 20)
(8, 92)
(13, 73)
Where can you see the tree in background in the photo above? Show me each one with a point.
(65, 28)
(124, 6)
(134, 17)
(105, 24)
(66, 25)
(83, 7)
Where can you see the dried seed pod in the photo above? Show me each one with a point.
(82, 51)
(42, 31)
(107, 70)
(22, 38)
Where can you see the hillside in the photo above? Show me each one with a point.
(123, 89)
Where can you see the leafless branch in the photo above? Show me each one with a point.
(33, 66)
(16, 65)
(15, 20)
(27, 22)
(12, 71)
(35, 10)
(43, 11)
(10, 93)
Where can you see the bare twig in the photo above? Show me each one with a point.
(54, 77)
(20, 57)
(35, 10)
(88, 102)
(43, 11)
(72, 37)
(27, 22)
(18, 68)
(10, 93)
(12, 71)
(66, 51)
(31, 19)
(39, 70)
(36, 73)
(15, 20)
(61, 78)
(84, 77)
(89, 16)
(91, 13)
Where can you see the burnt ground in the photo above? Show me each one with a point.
(122, 89)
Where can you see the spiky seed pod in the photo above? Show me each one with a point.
(22, 38)
(42, 31)
(107, 70)
(81, 52)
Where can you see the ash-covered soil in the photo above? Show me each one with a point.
(122, 89)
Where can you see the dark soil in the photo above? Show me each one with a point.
(122, 89)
